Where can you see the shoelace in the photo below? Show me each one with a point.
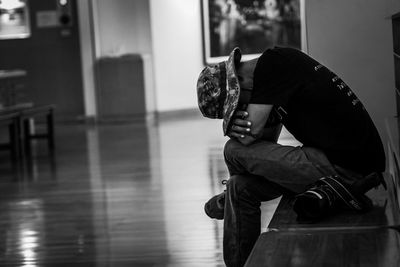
(329, 194)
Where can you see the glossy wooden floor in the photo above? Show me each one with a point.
(117, 195)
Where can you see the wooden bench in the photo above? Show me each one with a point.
(345, 239)
(336, 247)
(24, 115)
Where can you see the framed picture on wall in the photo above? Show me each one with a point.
(14, 19)
(252, 25)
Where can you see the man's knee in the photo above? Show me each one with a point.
(231, 155)
(231, 149)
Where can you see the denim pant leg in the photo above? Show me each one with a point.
(294, 168)
(242, 225)
(261, 172)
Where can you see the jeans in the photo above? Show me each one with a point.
(260, 172)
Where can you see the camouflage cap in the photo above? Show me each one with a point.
(218, 89)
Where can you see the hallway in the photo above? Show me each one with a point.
(117, 195)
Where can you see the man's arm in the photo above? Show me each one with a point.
(271, 133)
(251, 127)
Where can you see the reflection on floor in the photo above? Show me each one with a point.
(117, 195)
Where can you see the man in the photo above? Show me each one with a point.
(341, 146)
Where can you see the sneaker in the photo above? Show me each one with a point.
(315, 203)
(215, 207)
(330, 192)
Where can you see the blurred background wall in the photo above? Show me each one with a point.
(353, 38)
(177, 52)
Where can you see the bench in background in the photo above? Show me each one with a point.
(30, 114)
(23, 118)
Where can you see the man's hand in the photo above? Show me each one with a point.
(248, 126)
(240, 125)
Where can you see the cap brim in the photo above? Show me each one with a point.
(233, 88)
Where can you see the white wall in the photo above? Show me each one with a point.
(170, 31)
(177, 52)
(113, 28)
(354, 39)
(167, 32)
(122, 26)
